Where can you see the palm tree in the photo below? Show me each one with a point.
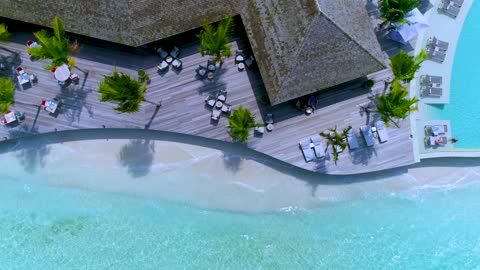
(56, 48)
(394, 11)
(7, 92)
(404, 66)
(4, 34)
(241, 121)
(122, 88)
(395, 105)
(338, 141)
(214, 42)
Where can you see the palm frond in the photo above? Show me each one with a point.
(122, 88)
(241, 121)
(7, 93)
(214, 42)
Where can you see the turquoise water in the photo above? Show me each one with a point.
(464, 107)
(46, 227)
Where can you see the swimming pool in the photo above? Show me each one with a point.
(463, 111)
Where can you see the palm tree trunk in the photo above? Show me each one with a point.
(158, 104)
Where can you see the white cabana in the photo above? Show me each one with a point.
(416, 24)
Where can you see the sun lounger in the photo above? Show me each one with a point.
(352, 139)
(318, 146)
(427, 80)
(367, 135)
(436, 130)
(433, 42)
(457, 3)
(307, 150)
(382, 131)
(450, 9)
(436, 140)
(430, 92)
(435, 55)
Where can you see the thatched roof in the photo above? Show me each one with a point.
(301, 46)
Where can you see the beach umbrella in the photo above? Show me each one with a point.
(407, 31)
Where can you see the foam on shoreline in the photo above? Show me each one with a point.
(211, 178)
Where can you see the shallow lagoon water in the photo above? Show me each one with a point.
(80, 205)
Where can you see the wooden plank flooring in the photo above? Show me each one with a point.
(183, 109)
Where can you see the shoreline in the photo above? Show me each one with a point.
(215, 179)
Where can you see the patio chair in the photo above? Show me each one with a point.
(382, 131)
(352, 139)
(201, 71)
(367, 135)
(177, 64)
(226, 108)
(33, 78)
(433, 42)
(210, 101)
(163, 54)
(239, 57)
(163, 66)
(175, 52)
(435, 55)
(211, 66)
(450, 9)
(427, 80)
(249, 61)
(307, 150)
(318, 146)
(431, 92)
(260, 130)
(215, 115)
(269, 118)
(222, 95)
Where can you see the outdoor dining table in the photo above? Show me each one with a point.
(62, 73)
(51, 106)
(10, 117)
(218, 104)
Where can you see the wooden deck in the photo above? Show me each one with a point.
(183, 109)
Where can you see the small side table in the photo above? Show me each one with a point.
(241, 66)
(218, 104)
(210, 75)
(169, 59)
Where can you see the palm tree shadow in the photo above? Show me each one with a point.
(232, 161)
(31, 153)
(137, 157)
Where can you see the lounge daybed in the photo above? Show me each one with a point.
(436, 140)
(307, 150)
(435, 55)
(427, 80)
(435, 130)
(431, 92)
(367, 135)
(382, 131)
(449, 8)
(433, 42)
(352, 139)
(318, 146)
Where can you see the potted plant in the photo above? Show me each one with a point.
(143, 76)
(369, 84)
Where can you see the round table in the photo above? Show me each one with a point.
(241, 66)
(210, 75)
(270, 127)
(308, 110)
(169, 59)
(218, 104)
(62, 73)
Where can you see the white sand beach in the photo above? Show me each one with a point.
(211, 178)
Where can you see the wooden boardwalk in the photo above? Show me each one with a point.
(183, 109)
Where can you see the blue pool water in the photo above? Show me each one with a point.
(46, 227)
(464, 107)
